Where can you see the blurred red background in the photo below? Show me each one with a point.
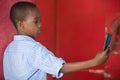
(72, 29)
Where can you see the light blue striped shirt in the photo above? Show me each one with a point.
(26, 59)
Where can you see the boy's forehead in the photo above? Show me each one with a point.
(34, 13)
(34, 10)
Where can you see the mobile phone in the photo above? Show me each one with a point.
(108, 41)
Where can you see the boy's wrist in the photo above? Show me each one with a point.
(94, 62)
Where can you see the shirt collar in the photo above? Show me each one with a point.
(23, 37)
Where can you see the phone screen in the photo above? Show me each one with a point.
(107, 41)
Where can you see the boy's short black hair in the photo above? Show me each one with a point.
(19, 11)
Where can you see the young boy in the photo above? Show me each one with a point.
(26, 59)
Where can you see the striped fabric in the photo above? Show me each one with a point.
(26, 59)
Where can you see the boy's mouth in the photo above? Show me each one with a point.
(39, 31)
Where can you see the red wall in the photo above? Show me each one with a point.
(80, 33)
(72, 29)
(48, 16)
(79, 27)
(112, 11)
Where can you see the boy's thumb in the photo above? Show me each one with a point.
(107, 50)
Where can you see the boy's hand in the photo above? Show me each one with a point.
(101, 57)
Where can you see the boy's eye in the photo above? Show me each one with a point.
(36, 22)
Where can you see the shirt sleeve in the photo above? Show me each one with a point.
(45, 60)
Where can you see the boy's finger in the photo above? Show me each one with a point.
(107, 51)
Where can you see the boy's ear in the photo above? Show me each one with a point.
(20, 24)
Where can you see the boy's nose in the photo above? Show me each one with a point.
(39, 25)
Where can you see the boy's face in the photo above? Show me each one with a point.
(31, 26)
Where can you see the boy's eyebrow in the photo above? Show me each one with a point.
(37, 18)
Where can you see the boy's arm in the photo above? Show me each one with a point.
(77, 66)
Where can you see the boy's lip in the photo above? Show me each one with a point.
(39, 30)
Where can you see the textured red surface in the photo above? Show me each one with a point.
(72, 29)
(80, 33)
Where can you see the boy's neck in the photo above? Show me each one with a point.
(26, 35)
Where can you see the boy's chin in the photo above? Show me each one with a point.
(36, 35)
